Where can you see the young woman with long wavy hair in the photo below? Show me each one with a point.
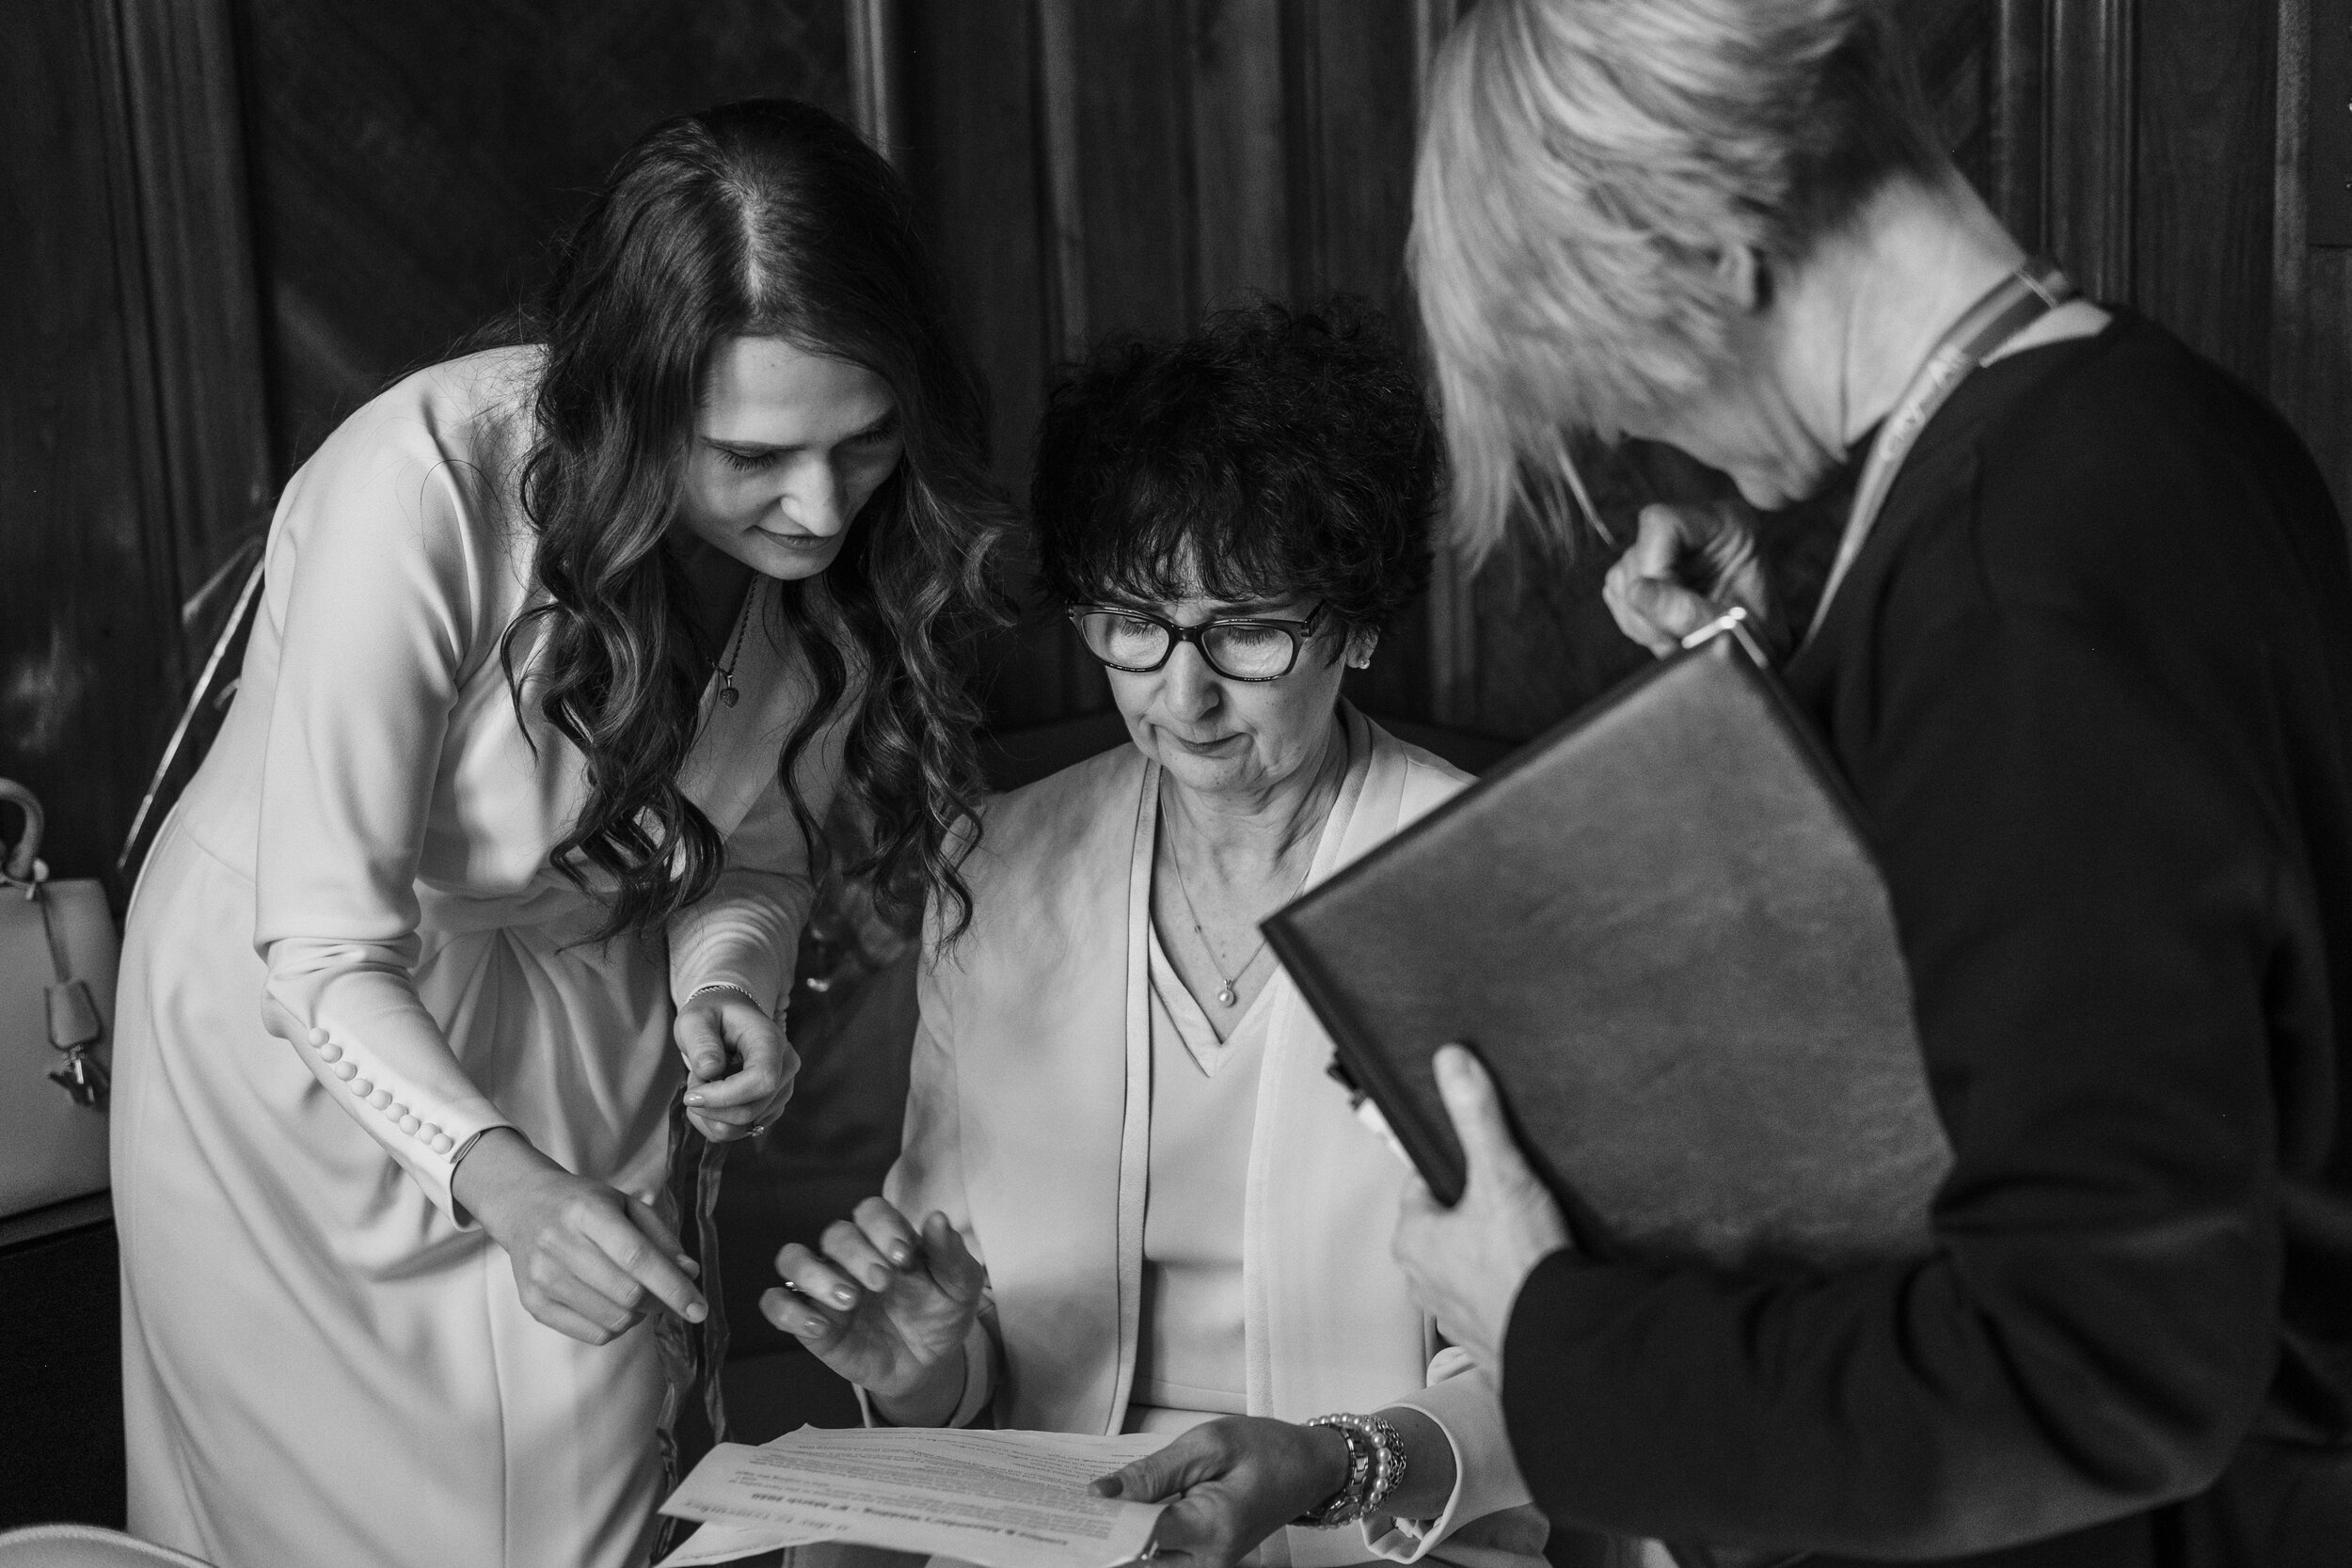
(565, 650)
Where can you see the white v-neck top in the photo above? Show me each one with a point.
(1189, 1362)
(1191, 1355)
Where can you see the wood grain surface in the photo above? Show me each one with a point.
(88, 650)
(412, 163)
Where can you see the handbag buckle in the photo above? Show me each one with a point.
(74, 1027)
(83, 1078)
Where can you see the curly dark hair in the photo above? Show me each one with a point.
(768, 218)
(1273, 453)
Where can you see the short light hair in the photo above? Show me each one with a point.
(1584, 167)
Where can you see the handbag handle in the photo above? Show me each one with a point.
(20, 864)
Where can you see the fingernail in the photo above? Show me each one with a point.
(845, 1297)
(1106, 1487)
(697, 1312)
(693, 1100)
(902, 1256)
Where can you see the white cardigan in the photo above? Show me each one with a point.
(1028, 1123)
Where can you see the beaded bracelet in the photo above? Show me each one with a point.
(1375, 1468)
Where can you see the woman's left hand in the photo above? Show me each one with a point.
(738, 1066)
(1464, 1264)
(1232, 1483)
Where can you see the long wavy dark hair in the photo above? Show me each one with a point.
(762, 218)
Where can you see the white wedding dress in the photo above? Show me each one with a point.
(348, 955)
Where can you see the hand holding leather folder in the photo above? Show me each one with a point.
(1661, 929)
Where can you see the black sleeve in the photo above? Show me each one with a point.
(2084, 885)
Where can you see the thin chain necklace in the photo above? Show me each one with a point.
(727, 694)
(1228, 991)
(1227, 995)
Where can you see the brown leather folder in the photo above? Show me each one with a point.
(1660, 927)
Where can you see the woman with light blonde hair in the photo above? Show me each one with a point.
(2085, 659)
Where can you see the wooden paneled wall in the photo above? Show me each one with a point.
(233, 222)
(245, 216)
(130, 447)
(1103, 165)
(1093, 167)
(411, 162)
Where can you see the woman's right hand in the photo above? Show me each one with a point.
(588, 1260)
(885, 1306)
(1650, 591)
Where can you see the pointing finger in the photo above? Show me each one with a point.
(648, 1219)
(645, 1260)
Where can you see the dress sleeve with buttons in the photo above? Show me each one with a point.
(382, 556)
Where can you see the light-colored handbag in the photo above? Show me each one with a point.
(57, 955)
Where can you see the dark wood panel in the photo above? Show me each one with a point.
(203, 376)
(2088, 116)
(2206, 132)
(87, 596)
(1957, 48)
(2310, 323)
(412, 162)
(975, 160)
(1241, 151)
(1355, 131)
(2019, 131)
(1133, 125)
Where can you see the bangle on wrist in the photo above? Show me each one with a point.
(1375, 1468)
(457, 1155)
(710, 986)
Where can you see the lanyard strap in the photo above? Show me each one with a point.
(2007, 308)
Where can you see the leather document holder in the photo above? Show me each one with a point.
(1660, 927)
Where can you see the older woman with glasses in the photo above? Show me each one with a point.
(1129, 1199)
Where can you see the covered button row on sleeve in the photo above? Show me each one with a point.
(394, 1111)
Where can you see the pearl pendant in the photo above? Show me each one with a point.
(1227, 996)
(728, 695)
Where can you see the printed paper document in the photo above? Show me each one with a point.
(1001, 1500)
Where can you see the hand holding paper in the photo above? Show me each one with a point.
(1000, 1499)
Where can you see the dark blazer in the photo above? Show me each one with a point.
(2092, 681)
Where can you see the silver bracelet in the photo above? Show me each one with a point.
(707, 987)
(1375, 1468)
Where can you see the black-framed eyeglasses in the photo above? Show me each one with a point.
(1239, 647)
